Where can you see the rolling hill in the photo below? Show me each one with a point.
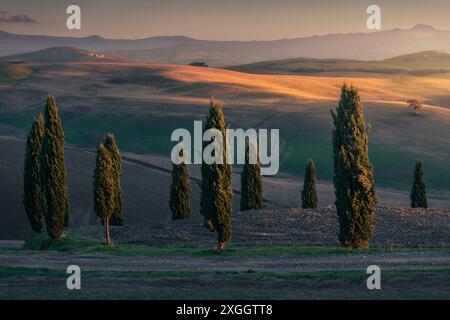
(419, 63)
(183, 50)
(57, 54)
(143, 103)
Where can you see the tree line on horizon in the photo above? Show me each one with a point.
(45, 196)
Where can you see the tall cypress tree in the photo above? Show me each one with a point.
(180, 192)
(251, 183)
(111, 145)
(104, 189)
(32, 191)
(54, 172)
(216, 189)
(309, 192)
(353, 173)
(418, 191)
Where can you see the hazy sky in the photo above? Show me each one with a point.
(217, 19)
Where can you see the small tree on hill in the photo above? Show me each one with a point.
(415, 105)
(180, 192)
(111, 145)
(418, 191)
(309, 192)
(32, 191)
(104, 189)
(251, 182)
(54, 172)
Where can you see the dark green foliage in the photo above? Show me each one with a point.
(216, 189)
(180, 192)
(111, 145)
(418, 191)
(309, 192)
(32, 191)
(353, 173)
(104, 188)
(251, 185)
(54, 172)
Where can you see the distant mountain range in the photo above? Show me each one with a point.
(178, 49)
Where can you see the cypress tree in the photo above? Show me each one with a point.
(32, 192)
(54, 172)
(216, 189)
(111, 145)
(180, 189)
(309, 192)
(418, 191)
(104, 189)
(353, 173)
(251, 183)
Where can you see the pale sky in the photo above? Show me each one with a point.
(217, 19)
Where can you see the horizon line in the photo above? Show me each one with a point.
(418, 25)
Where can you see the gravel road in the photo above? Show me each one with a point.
(262, 263)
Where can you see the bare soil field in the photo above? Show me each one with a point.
(395, 228)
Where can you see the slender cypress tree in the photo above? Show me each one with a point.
(111, 145)
(251, 183)
(180, 192)
(309, 192)
(32, 192)
(216, 189)
(418, 191)
(54, 172)
(104, 189)
(353, 173)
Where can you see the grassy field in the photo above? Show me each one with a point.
(37, 282)
(88, 240)
(393, 155)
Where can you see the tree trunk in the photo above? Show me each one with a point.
(107, 237)
(220, 246)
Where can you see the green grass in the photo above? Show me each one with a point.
(71, 241)
(80, 243)
(393, 157)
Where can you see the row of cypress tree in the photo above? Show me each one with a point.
(45, 178)
(353, 179)
(45, 195)
(216, 198)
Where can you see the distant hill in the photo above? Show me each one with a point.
(11, 44)
(423, 56)
(420, 63)
(183, 50)
(57, 54)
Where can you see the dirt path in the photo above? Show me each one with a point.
(261, 263)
